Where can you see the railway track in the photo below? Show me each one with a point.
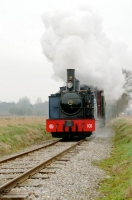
(21, 170)
(27, 152)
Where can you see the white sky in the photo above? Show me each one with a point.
(24, 70)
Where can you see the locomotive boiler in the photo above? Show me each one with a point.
(73, 111)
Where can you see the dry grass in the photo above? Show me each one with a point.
(129, 192)
(5, 121)
(116, 169)
(17, 133)
(127, 117)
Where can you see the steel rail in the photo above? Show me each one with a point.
(16, 181)
(26, 152)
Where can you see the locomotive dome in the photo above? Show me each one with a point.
(70, 103)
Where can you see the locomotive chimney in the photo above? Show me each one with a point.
(70, 79)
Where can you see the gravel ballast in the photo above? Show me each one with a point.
(78, 178)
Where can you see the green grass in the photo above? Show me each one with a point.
(118, 184)
(16, 137)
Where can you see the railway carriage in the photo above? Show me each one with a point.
(73, 111)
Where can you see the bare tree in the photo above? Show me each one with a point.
(126, 97)
(24, 102)
(24, 107)
(128, 83)
(38, 101)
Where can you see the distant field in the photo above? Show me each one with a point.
(17, 133)
(5, 121)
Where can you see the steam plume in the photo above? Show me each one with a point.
(75, 39)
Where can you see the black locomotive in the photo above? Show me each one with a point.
(74, 109)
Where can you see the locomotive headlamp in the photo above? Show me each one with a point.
(69, 84)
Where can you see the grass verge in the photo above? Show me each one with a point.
(118, 183)
(17, 136)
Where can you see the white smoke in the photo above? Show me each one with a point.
(75, 39)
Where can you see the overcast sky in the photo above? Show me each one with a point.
(24, 70)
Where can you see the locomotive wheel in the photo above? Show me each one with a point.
(56, 135)
(88, 134)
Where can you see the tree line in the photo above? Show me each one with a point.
(24, 108)
(124, 103)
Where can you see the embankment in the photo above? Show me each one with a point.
(118, 182)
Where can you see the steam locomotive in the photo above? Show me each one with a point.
(73, 111)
